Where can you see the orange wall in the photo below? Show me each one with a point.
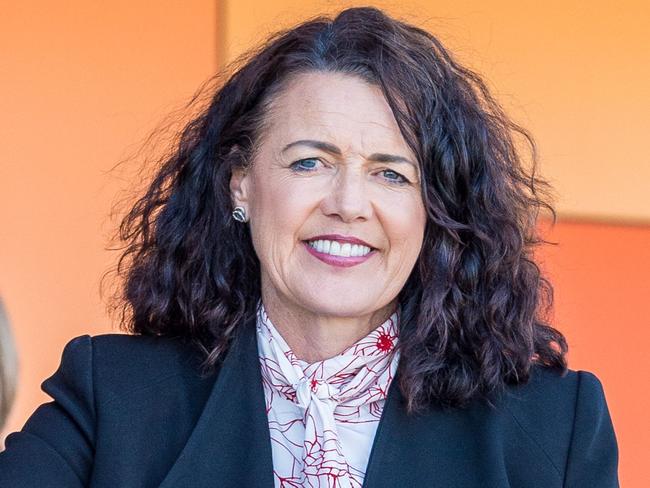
(600, 273)
(82, 83)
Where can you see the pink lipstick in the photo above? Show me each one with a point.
(341, 261)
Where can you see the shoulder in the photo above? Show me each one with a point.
(111, 394)
(136, 352)
(558, 413)
(116, 365)
(551, 398)
(552, 390)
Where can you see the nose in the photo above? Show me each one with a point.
(348, 196)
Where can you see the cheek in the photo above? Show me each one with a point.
(282, 207)
(404, 223)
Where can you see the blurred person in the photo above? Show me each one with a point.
(8, 366)
(330, 282)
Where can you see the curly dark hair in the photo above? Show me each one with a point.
(475, 306)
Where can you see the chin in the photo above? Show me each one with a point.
(338, 305)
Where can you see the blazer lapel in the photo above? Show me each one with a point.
(407, 452)
(437, 449)
(230, 444)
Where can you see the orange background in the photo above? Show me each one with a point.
(83, 84)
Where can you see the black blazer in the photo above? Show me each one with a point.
(132, 411)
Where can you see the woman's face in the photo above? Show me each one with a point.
(332, 162)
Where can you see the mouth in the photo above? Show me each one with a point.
(346, 248)
(339, 254)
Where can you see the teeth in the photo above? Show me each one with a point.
(345, 249)
(335, 248)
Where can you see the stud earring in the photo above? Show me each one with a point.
(239, 214)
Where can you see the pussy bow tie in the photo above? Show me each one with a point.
(358, 376)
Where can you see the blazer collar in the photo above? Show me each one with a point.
(230, 444)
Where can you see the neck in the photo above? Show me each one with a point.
(313, 336)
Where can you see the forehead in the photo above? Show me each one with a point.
(335, 107)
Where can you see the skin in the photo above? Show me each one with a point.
(321, 309)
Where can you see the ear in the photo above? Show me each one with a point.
(239, 186)
(240, 178)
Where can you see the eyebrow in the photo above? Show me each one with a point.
(332, 149)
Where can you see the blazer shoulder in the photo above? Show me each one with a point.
(122, 364)
(548, 386)
(548, 394)
(142, 350)
(548, 408)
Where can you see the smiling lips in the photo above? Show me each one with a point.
(336, 248)
(336, 253)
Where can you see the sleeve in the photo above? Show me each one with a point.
(593, 453)
(55, 446)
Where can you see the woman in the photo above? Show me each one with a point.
(330, 283)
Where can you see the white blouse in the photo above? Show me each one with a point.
(323, 416)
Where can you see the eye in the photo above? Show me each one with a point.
(395, 177)
(304, 165)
